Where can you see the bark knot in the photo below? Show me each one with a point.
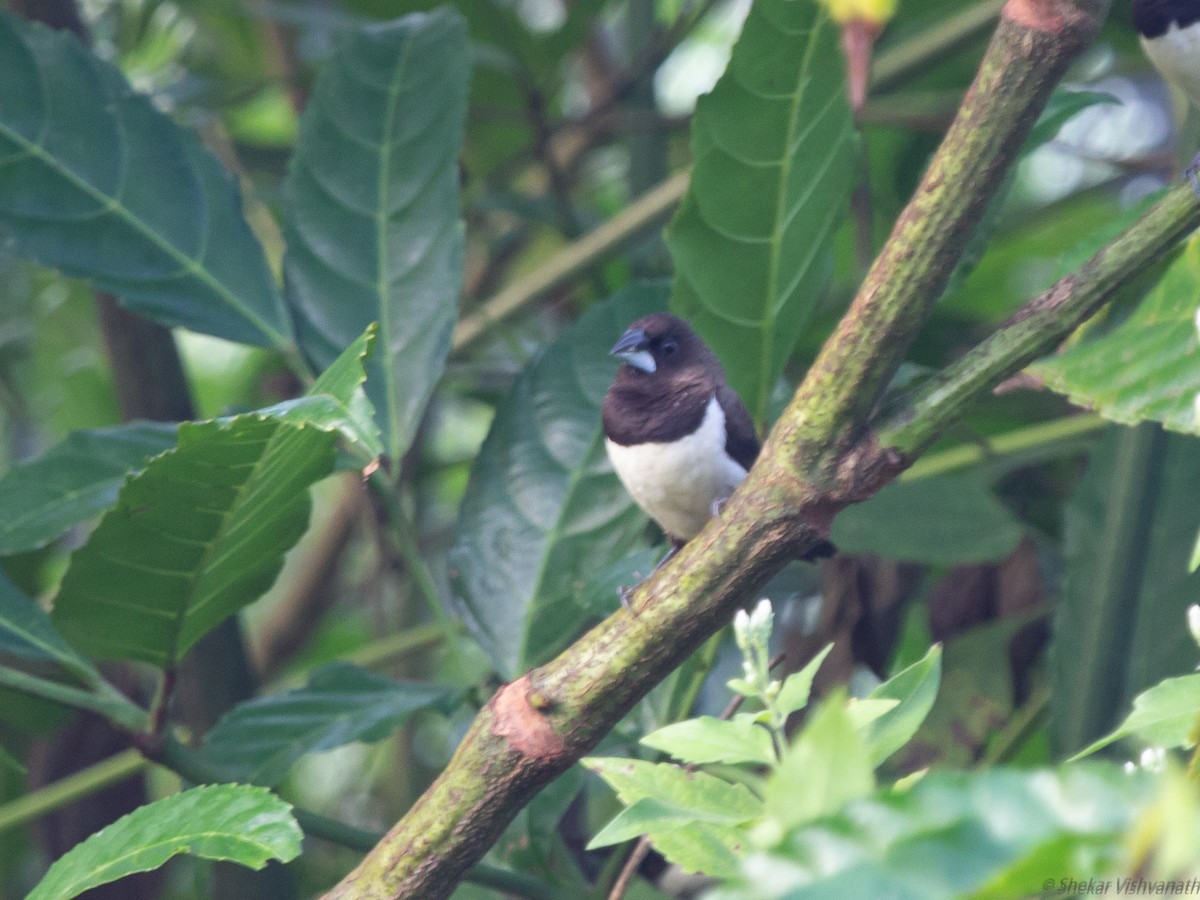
(525, 728)
(1049, 16)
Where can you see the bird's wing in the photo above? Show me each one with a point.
(741, 442)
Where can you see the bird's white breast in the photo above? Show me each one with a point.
(1176, 55)
(679, 482)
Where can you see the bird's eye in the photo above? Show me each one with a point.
(669, 346)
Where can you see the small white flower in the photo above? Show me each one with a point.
(741, 630)
(1129, 767)
(1153, 759)
(1193, 619)
(762, 615)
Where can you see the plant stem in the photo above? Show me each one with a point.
(124, 713)
(917, 420)
(83, 783)
(648, 210)
(1033, 443)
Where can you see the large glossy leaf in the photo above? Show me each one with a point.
(544, 514)
(775, 153)
(234, 822)
(1148, 367)
(949, 520)
(201, 532)
(1126, 581)
(996, 833)
(74, 481)
(98, 183)
(260, 740)
(372, 224)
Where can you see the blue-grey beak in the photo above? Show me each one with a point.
(633, 347)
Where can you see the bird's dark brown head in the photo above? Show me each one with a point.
(662, 343)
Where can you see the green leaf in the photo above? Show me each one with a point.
(695, 841)
(775, 160)
(27, 632)
(201, 532)
(1147, 367)
(865, 711)
(703, 794)
(96, 182)
(949, 520)
(1164, 716)
(996, 833)
(1121, 622)
(710, 740)
(796, 688)
(372, 226)
(74, 481)
(338, 402)
(916, 687)
(543, 512)
(713, 838)
(232, 822)
(259, 741)
(827, 766)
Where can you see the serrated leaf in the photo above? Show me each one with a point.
(201, 532)
(259, 741)
(74, 481)
(1164, 716)
(96, 182)
(337, 400)
(707, 739)
(232, 822)
(949, 520)
(827, 766)
(916, 688)
(714, 839)
(544, 512)
(1148, 367)
(372, 225)
(704, 794)
(694, 841)
(775, 158)
(795, 690)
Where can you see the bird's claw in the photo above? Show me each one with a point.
(625, 592)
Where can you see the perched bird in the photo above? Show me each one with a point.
(677, 434)
(1170, 35)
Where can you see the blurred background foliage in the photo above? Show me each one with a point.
(1000, 543)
